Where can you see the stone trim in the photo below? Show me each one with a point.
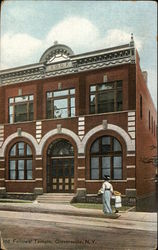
(80, 168)
(80, 179)
(131, 166)
(19, 181)
(103, 180)
(75, 63)
(131, 179)
(129, 142)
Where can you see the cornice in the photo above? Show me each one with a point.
(76, 63)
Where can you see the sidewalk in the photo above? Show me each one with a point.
(68, 209)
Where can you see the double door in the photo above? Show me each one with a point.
(62, 175)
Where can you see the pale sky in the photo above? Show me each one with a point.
(29, 27)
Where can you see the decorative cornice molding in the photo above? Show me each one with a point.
(83, 62)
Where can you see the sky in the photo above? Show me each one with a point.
(29, 27)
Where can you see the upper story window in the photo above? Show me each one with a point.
(149, 119)
(106, 97)
(141, 107)
(20, 162)
(61, 103)
(21, 108)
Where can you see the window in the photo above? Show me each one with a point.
(149, 119)
(21, 109)
(20, 162)
(154, 128)
(106, 158)
(106, 97)
(61, 104)
(152, 124)
(141, 110)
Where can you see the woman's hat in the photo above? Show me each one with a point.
(106, 177)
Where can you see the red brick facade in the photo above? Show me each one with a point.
(126, 126)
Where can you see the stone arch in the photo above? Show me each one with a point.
(15, 135)
(130, 144)
(63, 131)
(54, 50)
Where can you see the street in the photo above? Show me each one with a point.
(25, 230)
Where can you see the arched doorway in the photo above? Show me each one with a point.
(60, 167)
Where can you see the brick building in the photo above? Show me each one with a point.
(69, 119)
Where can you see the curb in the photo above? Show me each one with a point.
(62, 212)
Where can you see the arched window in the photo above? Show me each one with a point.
(106, 158)
(20, 162)
(61, 147)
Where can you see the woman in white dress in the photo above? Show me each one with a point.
(107, 190)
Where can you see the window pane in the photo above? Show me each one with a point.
(29, 164)
(49, 109)
(72, 91)
(30, 107)
(105, 86)
(21, 175)
(93, 88)
(92, 99)
(21, 112)
(12, 175)
(117, 146)
(31, 97)
(119, 100)
(29, 175)
(60, 93)
(117, 162)
(63, 113)
(106, 145)
(28, 150)
(73, 102)
(94, 174)
(11, 100)
(10, 110)
(117, 174)
(13, 151)
(106, 102)
(60, 104)
(21, 99)
(95, 162)
(92, 109)
(95, 147)
(105, 162)
(21, 148)
(11, 120)
(105, 171)
(106, 140)
(119, 84)
(20, 164)
(49, 95)
(72, 112)
(12, 165)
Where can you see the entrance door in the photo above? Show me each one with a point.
(60, 167)
(63, 175)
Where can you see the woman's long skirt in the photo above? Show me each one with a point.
(106, 202)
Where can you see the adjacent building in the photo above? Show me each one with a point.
(69, 119)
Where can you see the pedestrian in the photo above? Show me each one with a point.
(107, 191)
(118, 203)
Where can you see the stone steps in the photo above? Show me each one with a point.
(55, 198)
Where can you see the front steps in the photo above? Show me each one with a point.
(60, 198)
